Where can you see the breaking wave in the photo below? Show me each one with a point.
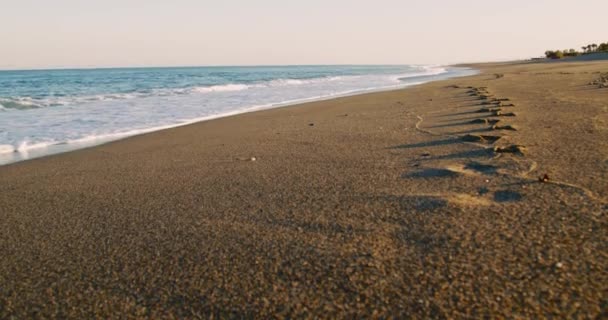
(27, 103)
(40, 121)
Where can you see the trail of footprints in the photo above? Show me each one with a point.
(601, 81)
(494, 113)
(496, 109)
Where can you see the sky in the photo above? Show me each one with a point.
(136, 33)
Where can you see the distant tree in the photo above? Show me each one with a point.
(590, 48)
(554, 54)
(570, 53)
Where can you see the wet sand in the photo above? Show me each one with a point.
(413, 203)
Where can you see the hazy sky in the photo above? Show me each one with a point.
(102, 33)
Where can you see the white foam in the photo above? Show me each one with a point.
(6, 148)
(426, 71)
(104, 118)
(27, 145)
(222, 88)
(297, 82)
(24, 103)
(21, 103)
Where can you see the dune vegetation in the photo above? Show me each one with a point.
(588, 49)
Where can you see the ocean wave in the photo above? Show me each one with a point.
(48, 131)
(297, 82)
(218, 88)
(22, 103)
(26, 103)
(425, 71)
(25, 146)
(6, 148)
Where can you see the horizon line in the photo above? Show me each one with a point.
(259, 65)
(216, 66)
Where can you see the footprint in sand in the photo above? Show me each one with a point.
(432, 173)
(507, 196)
(480, 138)
(515, 149)
(504, 127)
(486, 110)
(503, 114)
(454, 170)
(492, 102)
(481, 168)
(429, 202)
(485, 121)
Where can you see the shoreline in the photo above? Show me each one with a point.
(480, 196)
(90, 142)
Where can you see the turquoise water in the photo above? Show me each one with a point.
(49, 111)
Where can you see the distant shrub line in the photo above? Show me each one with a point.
(590, 48)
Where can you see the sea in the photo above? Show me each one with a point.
(44, 112)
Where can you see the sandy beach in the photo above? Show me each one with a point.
(481, 196)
